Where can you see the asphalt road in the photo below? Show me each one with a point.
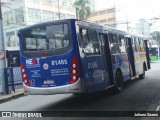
(137, 95)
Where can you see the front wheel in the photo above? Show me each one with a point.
(142, 76)
(118, 81)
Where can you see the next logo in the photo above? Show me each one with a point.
(32, 61)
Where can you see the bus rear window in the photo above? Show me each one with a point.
(46, 38)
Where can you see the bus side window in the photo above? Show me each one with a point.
(142, 45)
(122, 44)
(83, 37)
(137, 45)
(139, 42)
(89, 42)
(113, 43)
(133, 44)
(93, 40)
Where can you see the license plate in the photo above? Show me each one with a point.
(48, 82)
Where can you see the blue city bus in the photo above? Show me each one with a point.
(75, 56)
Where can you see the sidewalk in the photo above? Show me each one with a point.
(17, 93)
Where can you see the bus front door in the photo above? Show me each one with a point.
(109, 80)
(92, 63)
(147, 53)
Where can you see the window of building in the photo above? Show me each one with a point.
(8, 18)
(102, 12)
(111, 19)
(94, 14)
(96, 21)
(69, 16)
(104, 20)
(111, 10)
(34, 15)
(47, 16)
(11, 41)
(70, 2)
(64, 2)
(48, 1)
(19, 16)
(57, 17)
(62, 15)
(33, 1)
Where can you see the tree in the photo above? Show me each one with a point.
(156, 36)
(83, 9)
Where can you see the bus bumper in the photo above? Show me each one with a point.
(77, 87)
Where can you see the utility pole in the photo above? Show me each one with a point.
(59, 13)
(114, 16)
(127, 24)
(2, 57)
(156, 38)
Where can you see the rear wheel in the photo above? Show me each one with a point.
(142, 76)
(118, 82)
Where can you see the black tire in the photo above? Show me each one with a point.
(118, 82)
(142, 76)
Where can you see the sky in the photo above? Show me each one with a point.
(133, 9)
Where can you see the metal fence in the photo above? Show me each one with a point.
(14, 79)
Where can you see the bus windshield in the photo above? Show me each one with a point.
(49, 37)
(153, 51)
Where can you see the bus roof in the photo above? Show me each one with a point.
(45, 23)
(87, 24)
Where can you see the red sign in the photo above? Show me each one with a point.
(2, 53)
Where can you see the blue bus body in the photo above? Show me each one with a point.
(76, 57)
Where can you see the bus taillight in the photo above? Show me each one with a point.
(74, 70)
(24, 75)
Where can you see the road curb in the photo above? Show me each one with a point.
(9, 97)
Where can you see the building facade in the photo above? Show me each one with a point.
(92, 5)
(20, 13)
(104, 17)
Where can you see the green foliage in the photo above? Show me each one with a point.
(156, 36)
(83, 9)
